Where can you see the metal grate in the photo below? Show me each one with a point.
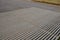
(47, 32)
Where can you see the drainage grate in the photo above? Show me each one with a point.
(48, 32)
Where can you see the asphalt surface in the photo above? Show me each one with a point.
(6, 5)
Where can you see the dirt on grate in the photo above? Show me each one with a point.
(58, 38)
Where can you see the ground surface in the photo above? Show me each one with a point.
(6, 5)
(29, 23)
(28, 20)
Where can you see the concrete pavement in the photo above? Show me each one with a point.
(30, 23)
(18, 21)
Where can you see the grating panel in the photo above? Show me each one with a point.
(40, 34)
